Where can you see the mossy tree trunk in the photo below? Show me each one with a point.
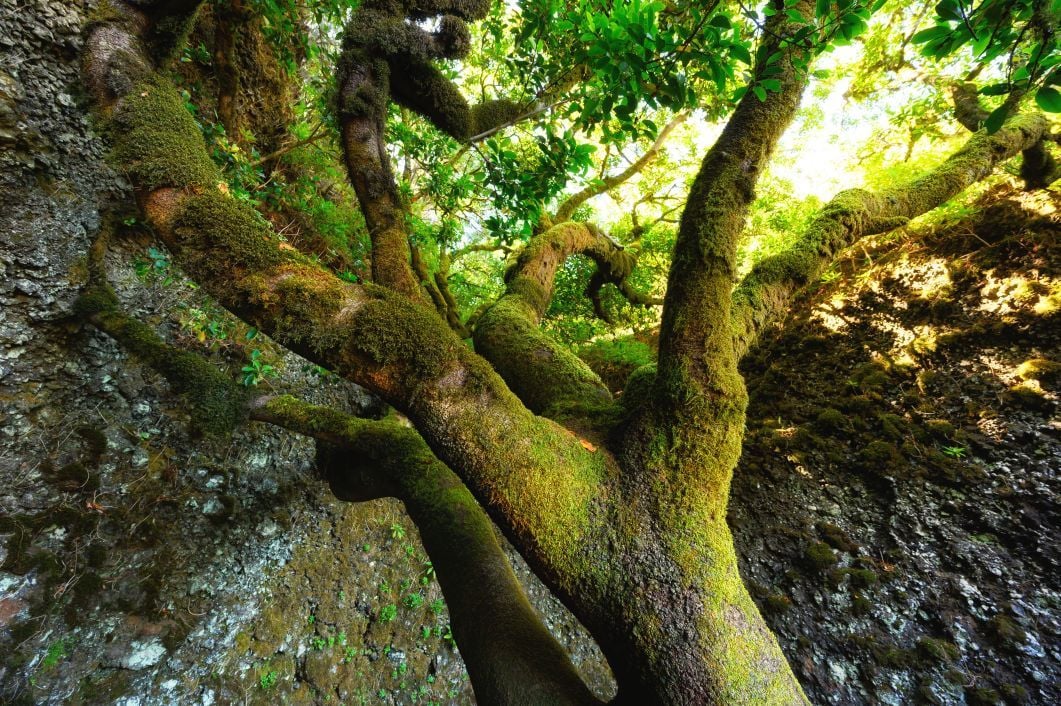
(628, 529)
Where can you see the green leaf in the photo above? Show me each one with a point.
(720, 21)
(927, 35)
(821, 8)
(1049, 99)
(759, 92)
(995, 119)
(740, 53)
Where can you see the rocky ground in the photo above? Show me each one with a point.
(896, 507)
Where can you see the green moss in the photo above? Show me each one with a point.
(1014, 694)
(862, 578)
(831, 420)
(1027, 397)
(157, 141)
(224, 237)
(169, 33)
(836, 537)
(218, 403)
(820, 556)
(880, 456)
(937, 650)
(1046, 371)
(391, 330)
(1006, 632)
(981, 696)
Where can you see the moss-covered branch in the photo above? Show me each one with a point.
(763, 295)
(511, 657)
(1039, 168)
(538, 369)
(218, 402)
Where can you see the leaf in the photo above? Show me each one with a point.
(1049, 99)
(927, 35)
(740, 53)
(720, 21)
(759, 92)
(587, 445)
(995, 119)
(821, 8)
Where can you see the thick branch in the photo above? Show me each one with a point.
(568, 207)
(511, 657)
(763, 296)
(538, 369)
(1039, 168)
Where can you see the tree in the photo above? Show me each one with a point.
(618, 505)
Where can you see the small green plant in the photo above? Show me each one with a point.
(388, 613)
(57, 652)
(256, 371)
(954, 451)
(413, 601)
(397, 531)
(155, 268)
(437, 606)
(268, 680)
(318, 643)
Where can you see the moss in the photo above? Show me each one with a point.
(982, 696)
(820, 556)
(1027, 397)
(862, 578)
(218, 403)
(880, 456)
(860, 605)
(938, 650)
(940, 428)
(157, 140)
(1046, 371)
(226, 237)
(776, 604)
(391, 330)
(1014, 694)
(831, 420)
(169, 33)
(836, 537)
(893, 426)
(1006, 632)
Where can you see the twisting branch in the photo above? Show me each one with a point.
(509, 653)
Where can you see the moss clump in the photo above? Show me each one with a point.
(225, 236)
(614, 360)
(157, 141)
(880, 456)
(937, 650)
(819, 556)
(862, 578)
(1046, 371)
(1027, 397)
(940, 428)
(1014, 694)
(981, 696)
(836, 537)
(830, 419)
(1005, 632)
(860, 605)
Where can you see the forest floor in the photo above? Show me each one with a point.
(896, 507)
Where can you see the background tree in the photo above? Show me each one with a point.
(619, 507)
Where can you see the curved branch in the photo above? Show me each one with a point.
(511, 657)
(763, 295)
(539, 370)
(568, 207)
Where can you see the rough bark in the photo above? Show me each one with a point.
(763, 295)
